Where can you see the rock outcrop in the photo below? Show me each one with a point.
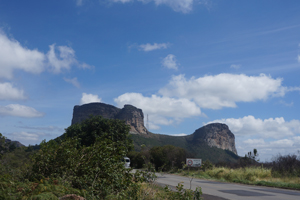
(215, 135)
(132, 116)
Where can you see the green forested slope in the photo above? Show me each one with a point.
(201, 150)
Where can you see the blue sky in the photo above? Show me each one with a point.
(186, 63)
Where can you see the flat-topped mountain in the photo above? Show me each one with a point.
(212, 140)
(132, 116)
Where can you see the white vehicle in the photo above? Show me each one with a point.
(127, 162)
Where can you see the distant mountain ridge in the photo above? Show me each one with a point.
(16, 143)
(210, 140)
(6, 145)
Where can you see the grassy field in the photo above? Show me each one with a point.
(248, 175)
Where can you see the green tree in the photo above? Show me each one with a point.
(88, 157)
(167, 156)
(253, 155)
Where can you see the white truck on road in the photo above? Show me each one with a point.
(127, 162)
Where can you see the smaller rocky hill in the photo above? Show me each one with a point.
(214, 135)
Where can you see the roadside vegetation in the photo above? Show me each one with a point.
(282, 172)
(84, 163)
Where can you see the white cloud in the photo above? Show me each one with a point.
(269, 149)
(8, 92)
(151, 47)
(266, 128)
(161, 110)
(235, 66)
(170, 62)
(153, 126)
(224, 90)
(27, 138)
(89, 98)
(299, 58)
(284, 143)
(257, 142)
(19, 111)
(15, 57)
(179, 134)
(65, 59)
(122, 1)
(183, 6)
(73, 81)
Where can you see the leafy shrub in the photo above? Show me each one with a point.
(206, 165)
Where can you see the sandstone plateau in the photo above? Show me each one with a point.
(214, 135)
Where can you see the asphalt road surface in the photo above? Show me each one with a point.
(213, 190)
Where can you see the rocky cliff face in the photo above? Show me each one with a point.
(131, 115)
(215, 135)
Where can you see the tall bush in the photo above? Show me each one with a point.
(288, 165)
(88, 156)
(167, 157)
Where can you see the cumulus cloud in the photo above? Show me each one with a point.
(8, 92)
(13, 56)
(152, 47)
(19, 111)
(73, 81)
(64, 60)
(270, 136)
(89, 98)
(224, 90)
(170, 62)
(183, 6)
(266, 128)
(161, 110)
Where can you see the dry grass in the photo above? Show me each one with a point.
(248, 175)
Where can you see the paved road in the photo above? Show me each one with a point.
(221, 191)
